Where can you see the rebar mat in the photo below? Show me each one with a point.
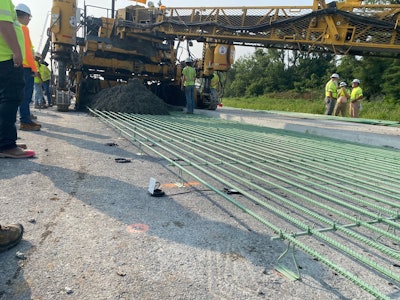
(342, 195)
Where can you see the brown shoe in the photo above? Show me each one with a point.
(35, 123)
(10, 235)
(29, 127)
(17, 153)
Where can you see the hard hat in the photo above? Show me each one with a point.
(343, 84)
(335, 75)
(24, 8)
(356, 81)
(188, 60)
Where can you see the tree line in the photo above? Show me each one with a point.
(271, 70)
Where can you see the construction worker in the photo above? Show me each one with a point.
(355, 98)
(343, 97)
(331, 93)
(188, 82)
(38, 83)
(45, 74)
(214, 85)
(11, 94)
(24, 16)
(11, 81)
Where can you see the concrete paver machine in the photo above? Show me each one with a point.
(92, 51)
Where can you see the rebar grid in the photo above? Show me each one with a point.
(285, 172)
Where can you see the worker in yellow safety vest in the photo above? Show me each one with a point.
(331, 93)
(214, 87)
(11, 94)
(45, 73)
(342, 97)
(42, 84)
(188, 83)
(12, 55)
(37, 86)
(355, 98)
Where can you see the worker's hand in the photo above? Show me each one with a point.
(17, 58)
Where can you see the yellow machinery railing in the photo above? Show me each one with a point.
(341, 28)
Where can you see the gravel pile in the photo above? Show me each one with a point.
(133, 97)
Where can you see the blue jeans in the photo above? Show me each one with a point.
(11, 94)
(189, 93)
(46, 87)
(24, 110)
(38, 94)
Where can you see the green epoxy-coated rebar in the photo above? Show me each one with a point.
(393, 195)
(373, 244)
(162, 141)
(344, 204)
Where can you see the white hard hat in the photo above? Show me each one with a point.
(343, 84)
(356, 81)
(335, 75)
(24, 8)
(188, 60)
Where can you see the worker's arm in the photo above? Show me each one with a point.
(7, 31)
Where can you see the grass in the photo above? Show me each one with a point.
(378, 110)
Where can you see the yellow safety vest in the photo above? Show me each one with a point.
(7, 13)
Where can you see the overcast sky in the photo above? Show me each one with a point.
(41, 8)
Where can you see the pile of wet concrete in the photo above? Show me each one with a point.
(132, 97)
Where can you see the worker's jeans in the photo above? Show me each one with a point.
(189, 93)
(11, 95)
(46, 88)
(24, 110)
(38, 94)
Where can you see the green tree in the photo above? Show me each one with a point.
(370, 71)
(312, 70)
(346, 68)
(390, 82)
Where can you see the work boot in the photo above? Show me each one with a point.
(10, 235)
(35, 123)
(29, 127)
(17, 152)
